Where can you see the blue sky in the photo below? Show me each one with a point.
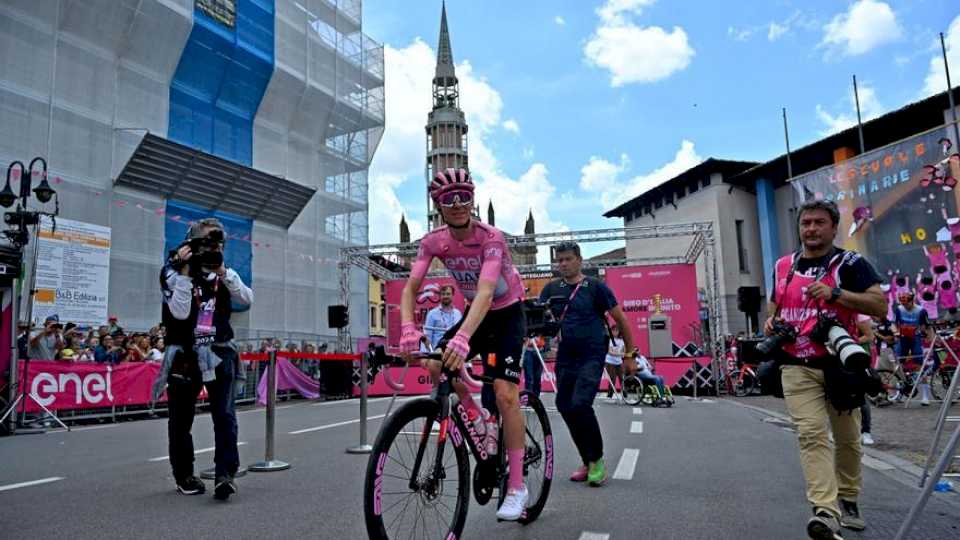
(575, 106)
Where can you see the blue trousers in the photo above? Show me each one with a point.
(183, 387)
(579, 370)
(532, 372)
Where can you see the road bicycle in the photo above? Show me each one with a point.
(418, 477)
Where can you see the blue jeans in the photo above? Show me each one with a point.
(649, 378)
(532, 372)
(579, 370)
(182, 391)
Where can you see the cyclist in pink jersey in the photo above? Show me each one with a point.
(493, 326)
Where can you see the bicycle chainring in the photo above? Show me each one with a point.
(484, 479)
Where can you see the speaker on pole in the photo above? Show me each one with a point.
(337, 316)
(748, 300)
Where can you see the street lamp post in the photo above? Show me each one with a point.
(11, 257)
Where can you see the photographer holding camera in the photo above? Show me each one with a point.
(818, 293)
(197, 292)
(46, 343)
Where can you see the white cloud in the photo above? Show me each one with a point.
(613, 10)
(633, 53)
(397, 168)
(936, 80)
(867, 24)
(511, 125)
(560, 20)
(776, 31)
(611, 184)
(870, 107)
(742, 34)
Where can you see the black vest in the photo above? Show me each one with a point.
(182, 332)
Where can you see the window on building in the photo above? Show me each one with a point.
(657, 204)
(681, 193)
(741, 251)
(383, 316)
(373, 317)
(705, 182)
(693, 187)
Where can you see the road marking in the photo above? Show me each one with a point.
(588, 535)
(201, 451)
(338, 424)
(31, 483)
(627, 465)
(636, 427)
(637, 410)
(353, 401)
(88, 428)
(876, 463)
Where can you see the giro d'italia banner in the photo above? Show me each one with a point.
(640, 290)
(899, 207)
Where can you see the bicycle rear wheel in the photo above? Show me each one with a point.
(537, 457)
(632, 390)
(404, 499)
(744, 386)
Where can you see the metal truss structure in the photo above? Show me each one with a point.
(702, 248)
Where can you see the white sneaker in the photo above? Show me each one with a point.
(513, 504)
(867, 439)
(925, 402)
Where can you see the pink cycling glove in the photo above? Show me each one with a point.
(410, 338)
(460, 344)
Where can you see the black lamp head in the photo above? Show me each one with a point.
(26, 182)
(7, 196)
(44, 192)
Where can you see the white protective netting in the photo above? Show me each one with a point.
(102, 69)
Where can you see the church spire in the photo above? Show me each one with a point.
(445, 74)
(404, 230)
(530, 227)
(491, 217)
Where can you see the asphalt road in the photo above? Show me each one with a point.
(708, 469)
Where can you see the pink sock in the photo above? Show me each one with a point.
(515, 457)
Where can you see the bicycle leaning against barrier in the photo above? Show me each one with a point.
(418, 477)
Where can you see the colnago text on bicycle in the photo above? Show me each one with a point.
(493, 326)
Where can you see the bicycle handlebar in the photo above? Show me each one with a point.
(380, 358)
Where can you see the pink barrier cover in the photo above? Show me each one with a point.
(289, 377)
(60, 385)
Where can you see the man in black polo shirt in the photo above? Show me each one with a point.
(581, 304)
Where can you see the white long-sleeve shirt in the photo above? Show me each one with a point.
(181, 291)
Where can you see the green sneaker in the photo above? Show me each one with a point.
(597, 473)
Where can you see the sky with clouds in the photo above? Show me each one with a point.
(575, 106)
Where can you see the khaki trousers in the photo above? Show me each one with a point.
(830, 472)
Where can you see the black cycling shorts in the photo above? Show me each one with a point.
(499, 342)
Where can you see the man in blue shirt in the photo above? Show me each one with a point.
(441, 318)
(581, 305)
(913, 325)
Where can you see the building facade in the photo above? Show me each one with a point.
(703, 193)
(753, 205)
(153, 113)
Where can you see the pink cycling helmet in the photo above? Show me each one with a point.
(450, 180)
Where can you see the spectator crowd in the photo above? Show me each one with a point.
(106, 344)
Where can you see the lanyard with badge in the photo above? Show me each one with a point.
(566, 307)
(205, 331)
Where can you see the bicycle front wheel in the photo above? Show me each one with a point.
(632, 390)
(537, 457)
(405, 494)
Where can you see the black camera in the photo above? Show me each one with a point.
(783, 333)
(829, 332)
(539, 321)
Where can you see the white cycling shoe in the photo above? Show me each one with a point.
(513, 504)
